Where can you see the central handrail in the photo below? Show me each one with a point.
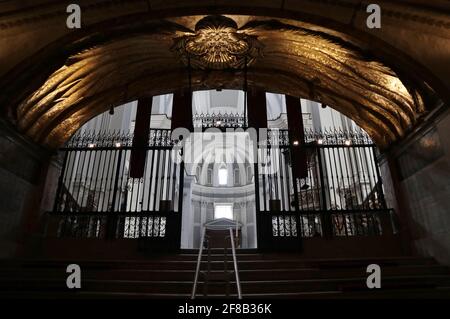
(233, 249)
(199, 260)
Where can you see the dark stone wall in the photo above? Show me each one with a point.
(420, 168)
(22, 168)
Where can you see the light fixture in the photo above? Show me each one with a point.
(296, 143)
(320, 141)
(348, 142)
(118, 144)
(217, 44)
(219, 123)
(91, 145)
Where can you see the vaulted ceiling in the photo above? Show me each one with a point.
(54, 79)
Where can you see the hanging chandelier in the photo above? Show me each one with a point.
(217, 44)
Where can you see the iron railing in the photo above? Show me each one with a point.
(199, 262)
(97, 196)
(343, 224)
(219, 120)
(341, 194)
(117, 139)
(96, 175)
(342, 173)
(204, 241)
(91, 225)
(235, 265)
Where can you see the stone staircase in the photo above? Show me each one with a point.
(261, 275)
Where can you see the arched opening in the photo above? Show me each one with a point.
(287, 57)
(341, 180)
(373, 186)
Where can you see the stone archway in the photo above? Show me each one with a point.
(307, 53)
(54, 79)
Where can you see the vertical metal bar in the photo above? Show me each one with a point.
(174, 180)
(358, 174)
(96, 180)
(152, 162)
(73, 155)
(257, 202)
(80, 179)
(370, 158)
(287, 172)
(305, 202)
(199, 260)
(103, 180)
(122, 178)
(88, 178)
(367, 188)
(156, 179)
(108, 181)
(326, 218)
(323, 201)
(236, 270)
(169, 175)
(180, 207)
(94, 177)
(264, 191)
(132, 194)
(340, 176)
(329, 150)
(297, 209)
(317, 174)
(284, 203)
(162, 185)
(111, 178)
(269, 171)
(276, 175)
(349, 168)
(113, 219)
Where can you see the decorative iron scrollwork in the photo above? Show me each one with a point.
(217, 44)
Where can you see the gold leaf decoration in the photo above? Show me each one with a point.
(217, 44)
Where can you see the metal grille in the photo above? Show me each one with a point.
(218, 120)
(342, 194)
(96, 194)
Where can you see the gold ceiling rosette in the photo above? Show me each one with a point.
(217, 44)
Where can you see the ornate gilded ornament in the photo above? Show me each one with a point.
(217, 44)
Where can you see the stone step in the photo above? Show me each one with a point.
(430, 293)
(249, 287)
(331, 262)
(248, 274)
(251, 264)
(262, 275)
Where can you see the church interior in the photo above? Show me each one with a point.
(204, 149)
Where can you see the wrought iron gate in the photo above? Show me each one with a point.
(97, 198)
(341, 196)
